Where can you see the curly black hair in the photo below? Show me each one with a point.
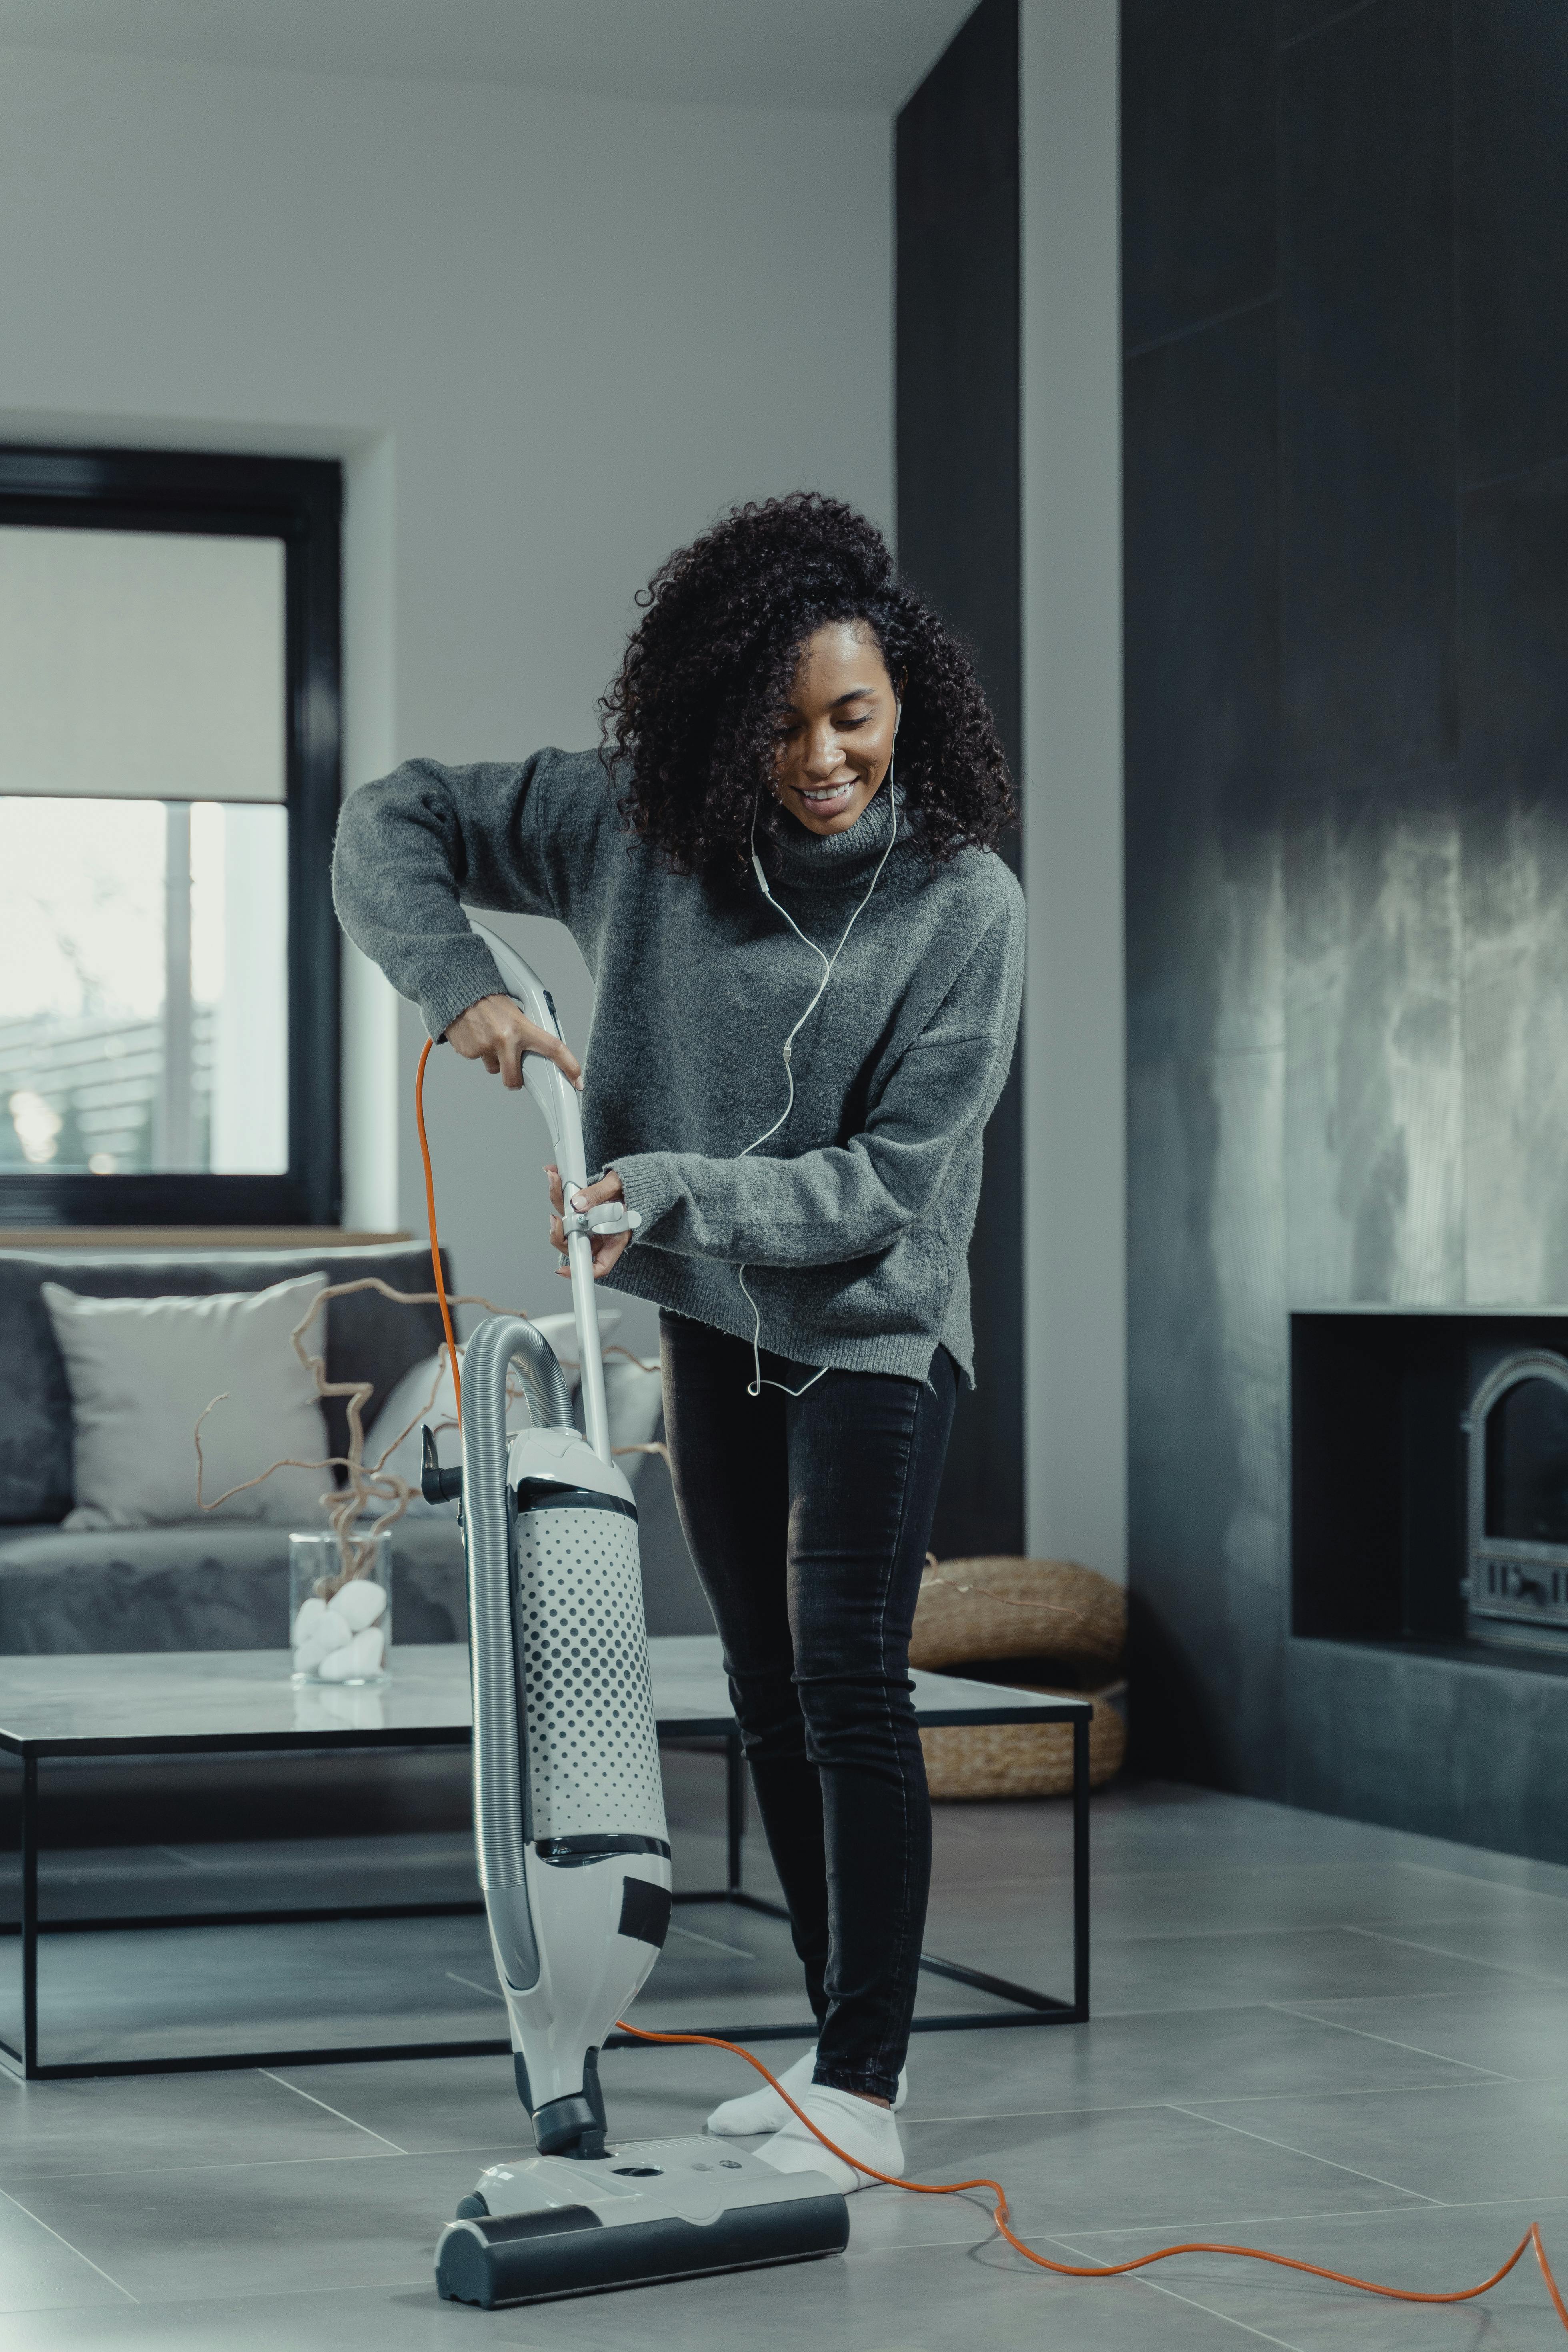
(690, 722)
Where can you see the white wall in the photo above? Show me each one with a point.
(552, 335)
(1074, 1028)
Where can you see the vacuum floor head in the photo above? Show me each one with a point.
(661, 2209)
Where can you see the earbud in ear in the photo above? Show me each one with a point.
(898, 713)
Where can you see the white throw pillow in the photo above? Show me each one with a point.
(141, 1371)
(425, 1395)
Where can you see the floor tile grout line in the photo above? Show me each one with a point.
(175, 1855)
(1298, 2220)
(1140, 2231)
(284, 2085)
(711, 1942)
(1207, 2099)
(1291, 2149)
(1309, 2004)
(486, 2150)
(1159, 2286)
(1482, 2080)
(1499, 1967)
(65, 2241)
(1154, 2229)
(488, 1992)
(1106, 1875)
(1117, 1939)
(1391, 2041)
(1493, 1885)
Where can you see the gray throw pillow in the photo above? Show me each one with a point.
(141, 1371)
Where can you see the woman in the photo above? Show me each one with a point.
(808, 965)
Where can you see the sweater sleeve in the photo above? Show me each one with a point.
(413, 849)
(850, 1200)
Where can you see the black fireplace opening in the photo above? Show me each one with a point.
(1429, 1481)
(1525, 1446)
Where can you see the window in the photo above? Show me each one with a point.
(168, 771)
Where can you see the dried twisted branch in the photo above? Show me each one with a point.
(370, 1491)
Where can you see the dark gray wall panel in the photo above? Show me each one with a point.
(1514, 675)
(959, 540)
(1206, 1267)
(1374, 1120)
(1512, 89)
(1367, 434)
(1515, 702)
(1202, 629)
(1207, 1411)
(1197, 161)
(957, 357)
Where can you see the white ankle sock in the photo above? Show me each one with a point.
(762, 2110)
(868, 2133)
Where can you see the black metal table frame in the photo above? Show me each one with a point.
(1026, 2006)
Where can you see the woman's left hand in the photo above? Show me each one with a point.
(607, 1247)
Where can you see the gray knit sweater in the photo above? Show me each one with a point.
(853, 1223)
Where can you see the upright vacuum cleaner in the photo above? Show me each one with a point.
(574, 1853)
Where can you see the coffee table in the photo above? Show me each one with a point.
(242, 1701)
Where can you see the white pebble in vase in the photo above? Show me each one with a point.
(311, 1612)
(329, 1634)
(360, 1659)
(359, 1603)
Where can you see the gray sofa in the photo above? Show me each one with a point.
(208, 1586)
(205, 1586)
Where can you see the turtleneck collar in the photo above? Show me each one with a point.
(803, 859)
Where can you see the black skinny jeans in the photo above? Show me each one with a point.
(808, 1518)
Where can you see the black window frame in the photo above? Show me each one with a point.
(299, 502)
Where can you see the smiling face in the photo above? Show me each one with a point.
(836, 739)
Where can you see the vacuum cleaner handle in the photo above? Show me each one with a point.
(557, 1098)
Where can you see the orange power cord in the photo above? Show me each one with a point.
(1531, 2242)
(430, 1220)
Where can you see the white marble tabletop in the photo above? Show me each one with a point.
(106, 1703)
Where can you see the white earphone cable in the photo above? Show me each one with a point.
(757, 1382)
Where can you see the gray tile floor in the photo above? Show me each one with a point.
(1343, 2043)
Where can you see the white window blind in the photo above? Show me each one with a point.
(140, 666)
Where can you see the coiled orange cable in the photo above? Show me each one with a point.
(1530, 2242)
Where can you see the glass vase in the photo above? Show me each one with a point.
(339, 1607)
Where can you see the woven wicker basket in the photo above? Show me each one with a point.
(1022, 1760)
(974, 1608)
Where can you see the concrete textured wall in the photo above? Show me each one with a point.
(1346, 413)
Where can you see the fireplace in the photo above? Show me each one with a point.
(1429, 1574)
(1429, 1481)
(1516, 1588)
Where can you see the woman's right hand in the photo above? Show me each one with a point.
(498, 1033)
